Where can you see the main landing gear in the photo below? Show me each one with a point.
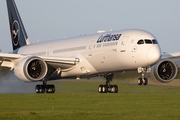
(45, 88)
(108, 88)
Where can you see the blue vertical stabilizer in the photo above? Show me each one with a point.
(17, 30)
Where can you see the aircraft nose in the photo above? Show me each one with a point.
(154, 54)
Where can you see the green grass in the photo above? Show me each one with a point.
(90, 106)
(125, 87)
(75, 100)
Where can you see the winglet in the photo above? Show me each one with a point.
(17, 30)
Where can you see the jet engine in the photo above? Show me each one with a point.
(31, 69)
(164, 71)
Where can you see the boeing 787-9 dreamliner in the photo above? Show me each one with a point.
(101, 54)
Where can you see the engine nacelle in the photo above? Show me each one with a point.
(31, 69)
(164, 71)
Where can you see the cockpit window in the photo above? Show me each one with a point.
(154, 41)
(140, 42)
(147, 41)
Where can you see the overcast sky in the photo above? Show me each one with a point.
(52, 19)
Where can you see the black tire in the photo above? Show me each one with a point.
(41, 89)
(116, 88)
(50, 89)
(104, 89)
(111, 88)
(100, 88)
(140, 81)
(37, 88)
(145, 81)
(53, 88)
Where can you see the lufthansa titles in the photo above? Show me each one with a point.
(108, 38)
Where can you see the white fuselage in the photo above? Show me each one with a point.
(101, 53)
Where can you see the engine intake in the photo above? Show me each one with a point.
(31, 69)
(164, 71)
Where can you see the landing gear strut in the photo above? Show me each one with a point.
(45, 88)
(108, 88)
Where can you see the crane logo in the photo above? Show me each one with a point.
(15, 33)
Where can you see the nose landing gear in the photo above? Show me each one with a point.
(143, 80)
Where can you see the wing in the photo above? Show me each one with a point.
(10, 60)
(60, 62)
(6, 56)
(171, 56)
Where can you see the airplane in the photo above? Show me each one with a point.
(100, 54)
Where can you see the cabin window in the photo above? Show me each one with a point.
(140, 42)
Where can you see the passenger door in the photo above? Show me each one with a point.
(123, 44)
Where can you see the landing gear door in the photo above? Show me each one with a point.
(123, 44)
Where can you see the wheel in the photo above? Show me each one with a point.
(37, 88)
(50, 89)
(100, 88)
(145, 81)
(104, 89)
(40, 89)
(116, 88)
(53, 88)
(112, 89)
(140, 81)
